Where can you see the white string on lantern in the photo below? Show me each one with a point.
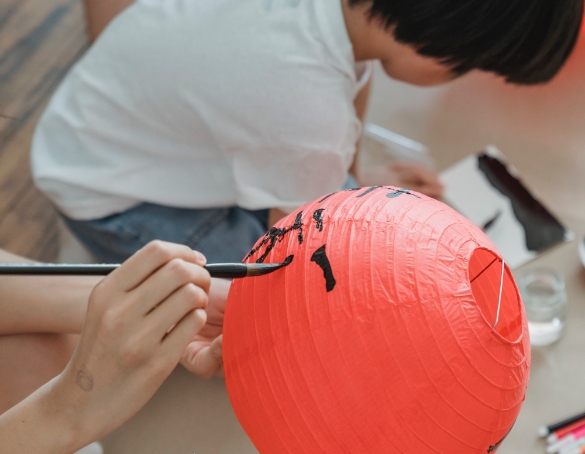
(500, 297)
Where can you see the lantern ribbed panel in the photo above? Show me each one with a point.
(399, 357)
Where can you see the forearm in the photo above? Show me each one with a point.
(361, 106)
(42, 304)
(99, 13)
(156, 300)
(42, 424)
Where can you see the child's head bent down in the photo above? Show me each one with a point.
(427, 42)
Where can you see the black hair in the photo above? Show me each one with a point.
(525, 41)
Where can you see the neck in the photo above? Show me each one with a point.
(362, 31)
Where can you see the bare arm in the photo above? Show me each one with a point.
(404, 174)
(99, 13)
(361, 105)
(140, 319)
(42, 304)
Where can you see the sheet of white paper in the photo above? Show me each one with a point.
(469, 191)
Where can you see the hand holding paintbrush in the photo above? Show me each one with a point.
(150, 313)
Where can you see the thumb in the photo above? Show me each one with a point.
(203, 358)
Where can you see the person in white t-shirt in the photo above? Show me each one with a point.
(201, 122)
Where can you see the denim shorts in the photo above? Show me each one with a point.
(222, 234)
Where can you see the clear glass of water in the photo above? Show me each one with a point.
(545, 299)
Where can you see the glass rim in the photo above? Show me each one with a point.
(551, 277)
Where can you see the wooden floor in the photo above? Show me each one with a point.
(39, 41)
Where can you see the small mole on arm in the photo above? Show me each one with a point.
(84, 379)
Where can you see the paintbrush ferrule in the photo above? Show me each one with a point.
(227, 270)
(260, 269)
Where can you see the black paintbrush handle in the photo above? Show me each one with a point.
(56, 269)
(225, 270)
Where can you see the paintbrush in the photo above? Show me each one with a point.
(224, 270)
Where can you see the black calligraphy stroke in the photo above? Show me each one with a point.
(275, 235)
(321, 259)
(392, 195)
(337, 192)
(367, 191)
(318, 217)
(399, 192)
(497, 445)
(326, 197)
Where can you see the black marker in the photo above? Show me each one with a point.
(544, 431)
(491, 221)
(225, 270)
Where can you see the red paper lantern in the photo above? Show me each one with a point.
(379, 336)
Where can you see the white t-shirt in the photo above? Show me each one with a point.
(204, 103)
